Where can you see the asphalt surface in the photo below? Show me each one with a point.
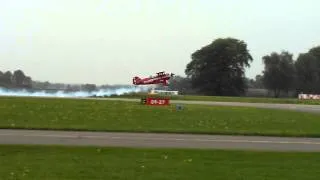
(171, 140)
(40, 137)
(294, 107)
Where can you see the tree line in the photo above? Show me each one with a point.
(219, 69)
(283, 74)
(19, 80)
(15, 79)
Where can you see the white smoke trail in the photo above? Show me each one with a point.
(100, 92)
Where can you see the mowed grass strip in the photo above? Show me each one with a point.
(233, 99)
(57, 162)
(76, 114)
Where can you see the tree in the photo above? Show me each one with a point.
(1, 77)
(89, 87)
(18, 77)
(308, 71)
(315, 51)
(255, 83)
(218, 68)
(279, 72)
(27, 82)
(258, 82)
(7, 78)
(181, 84)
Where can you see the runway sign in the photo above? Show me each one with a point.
(155, 101)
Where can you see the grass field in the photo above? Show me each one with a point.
(129, 116)
(232, 99)
(54, 162)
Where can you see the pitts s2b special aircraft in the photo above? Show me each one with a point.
(160, 78)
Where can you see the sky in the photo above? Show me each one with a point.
(110, 41)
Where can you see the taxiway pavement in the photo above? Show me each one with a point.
(152, 140)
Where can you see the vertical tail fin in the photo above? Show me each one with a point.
(166, 83)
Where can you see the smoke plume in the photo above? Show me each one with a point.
(100, 92)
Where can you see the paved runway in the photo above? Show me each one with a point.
(295, 107)
(158, 140)
(171, 140)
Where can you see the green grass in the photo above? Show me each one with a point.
(231, 99)
(69, 114)
(54, 162)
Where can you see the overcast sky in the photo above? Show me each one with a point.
(109, 41)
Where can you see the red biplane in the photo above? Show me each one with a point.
(160, 78)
